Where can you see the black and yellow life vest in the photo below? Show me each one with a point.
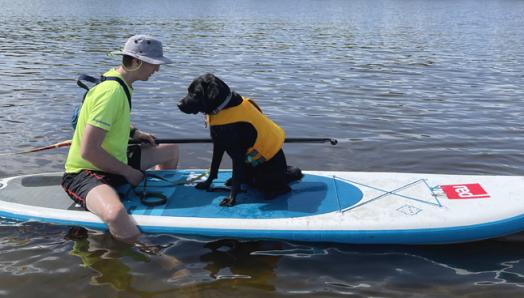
(270, 136)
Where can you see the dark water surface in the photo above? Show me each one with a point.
(405, 85)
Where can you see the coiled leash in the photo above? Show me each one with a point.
(156, 198)
(152, 198)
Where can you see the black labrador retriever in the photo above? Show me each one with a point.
(252, 140)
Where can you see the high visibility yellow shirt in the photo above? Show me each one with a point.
(106, 107)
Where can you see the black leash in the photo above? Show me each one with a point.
(152, 198)
(155, 198)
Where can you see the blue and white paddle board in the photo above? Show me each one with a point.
(344, 207)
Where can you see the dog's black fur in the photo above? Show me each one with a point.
(272, 177)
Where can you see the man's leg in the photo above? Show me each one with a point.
(162, 157)
(105, 203)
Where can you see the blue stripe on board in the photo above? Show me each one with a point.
(21, 217)
(411, 236)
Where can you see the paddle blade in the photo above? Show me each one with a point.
(57, 145)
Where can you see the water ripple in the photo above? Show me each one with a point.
(413, 86)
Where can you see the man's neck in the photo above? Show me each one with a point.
(128, 77)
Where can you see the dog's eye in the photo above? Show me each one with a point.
(196, 92)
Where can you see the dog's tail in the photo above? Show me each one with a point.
(293, 174)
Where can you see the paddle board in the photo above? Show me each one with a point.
(344, 207)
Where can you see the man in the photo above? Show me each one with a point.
(99, 159)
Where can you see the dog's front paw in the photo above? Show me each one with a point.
(203, 185)
(227, 202)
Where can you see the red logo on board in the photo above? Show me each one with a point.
(464, 191)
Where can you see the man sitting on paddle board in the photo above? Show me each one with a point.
(99, 159)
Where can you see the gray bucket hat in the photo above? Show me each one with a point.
(145, 48)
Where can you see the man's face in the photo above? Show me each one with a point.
(147, 69)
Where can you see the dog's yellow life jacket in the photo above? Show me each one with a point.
(270, 137)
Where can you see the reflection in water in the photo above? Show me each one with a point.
(101, 253)
(229, 263)
(37, 253)
(111, 269)
(235, 262)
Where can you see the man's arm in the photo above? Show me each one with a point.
(92, 151)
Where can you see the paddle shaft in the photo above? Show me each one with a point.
(67, 143)
(332, 141)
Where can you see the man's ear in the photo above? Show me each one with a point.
(136, 63)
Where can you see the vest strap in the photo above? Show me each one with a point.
(122, 83)
(96, 81)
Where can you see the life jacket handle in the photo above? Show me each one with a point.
(96, 81)
(84, 77)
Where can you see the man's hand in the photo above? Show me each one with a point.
(144, 136)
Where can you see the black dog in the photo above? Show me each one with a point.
(239, 128)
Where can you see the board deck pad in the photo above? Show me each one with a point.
(312, 195)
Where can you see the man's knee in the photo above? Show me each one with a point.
(162, 157)
(173, 151)
(104, 202)
(113, 214)
(170, 156)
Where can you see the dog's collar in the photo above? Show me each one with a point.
(223, 104)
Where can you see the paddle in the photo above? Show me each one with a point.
(57, 145)
(332, 141)
(67, 143)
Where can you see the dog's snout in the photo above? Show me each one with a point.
(182, 106)
(185, 105)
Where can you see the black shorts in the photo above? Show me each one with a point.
(78, 185)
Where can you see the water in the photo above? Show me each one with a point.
(407, 86)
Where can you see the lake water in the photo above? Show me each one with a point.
(405, 85)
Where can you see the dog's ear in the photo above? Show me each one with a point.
(217, 89)
(212, 90)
